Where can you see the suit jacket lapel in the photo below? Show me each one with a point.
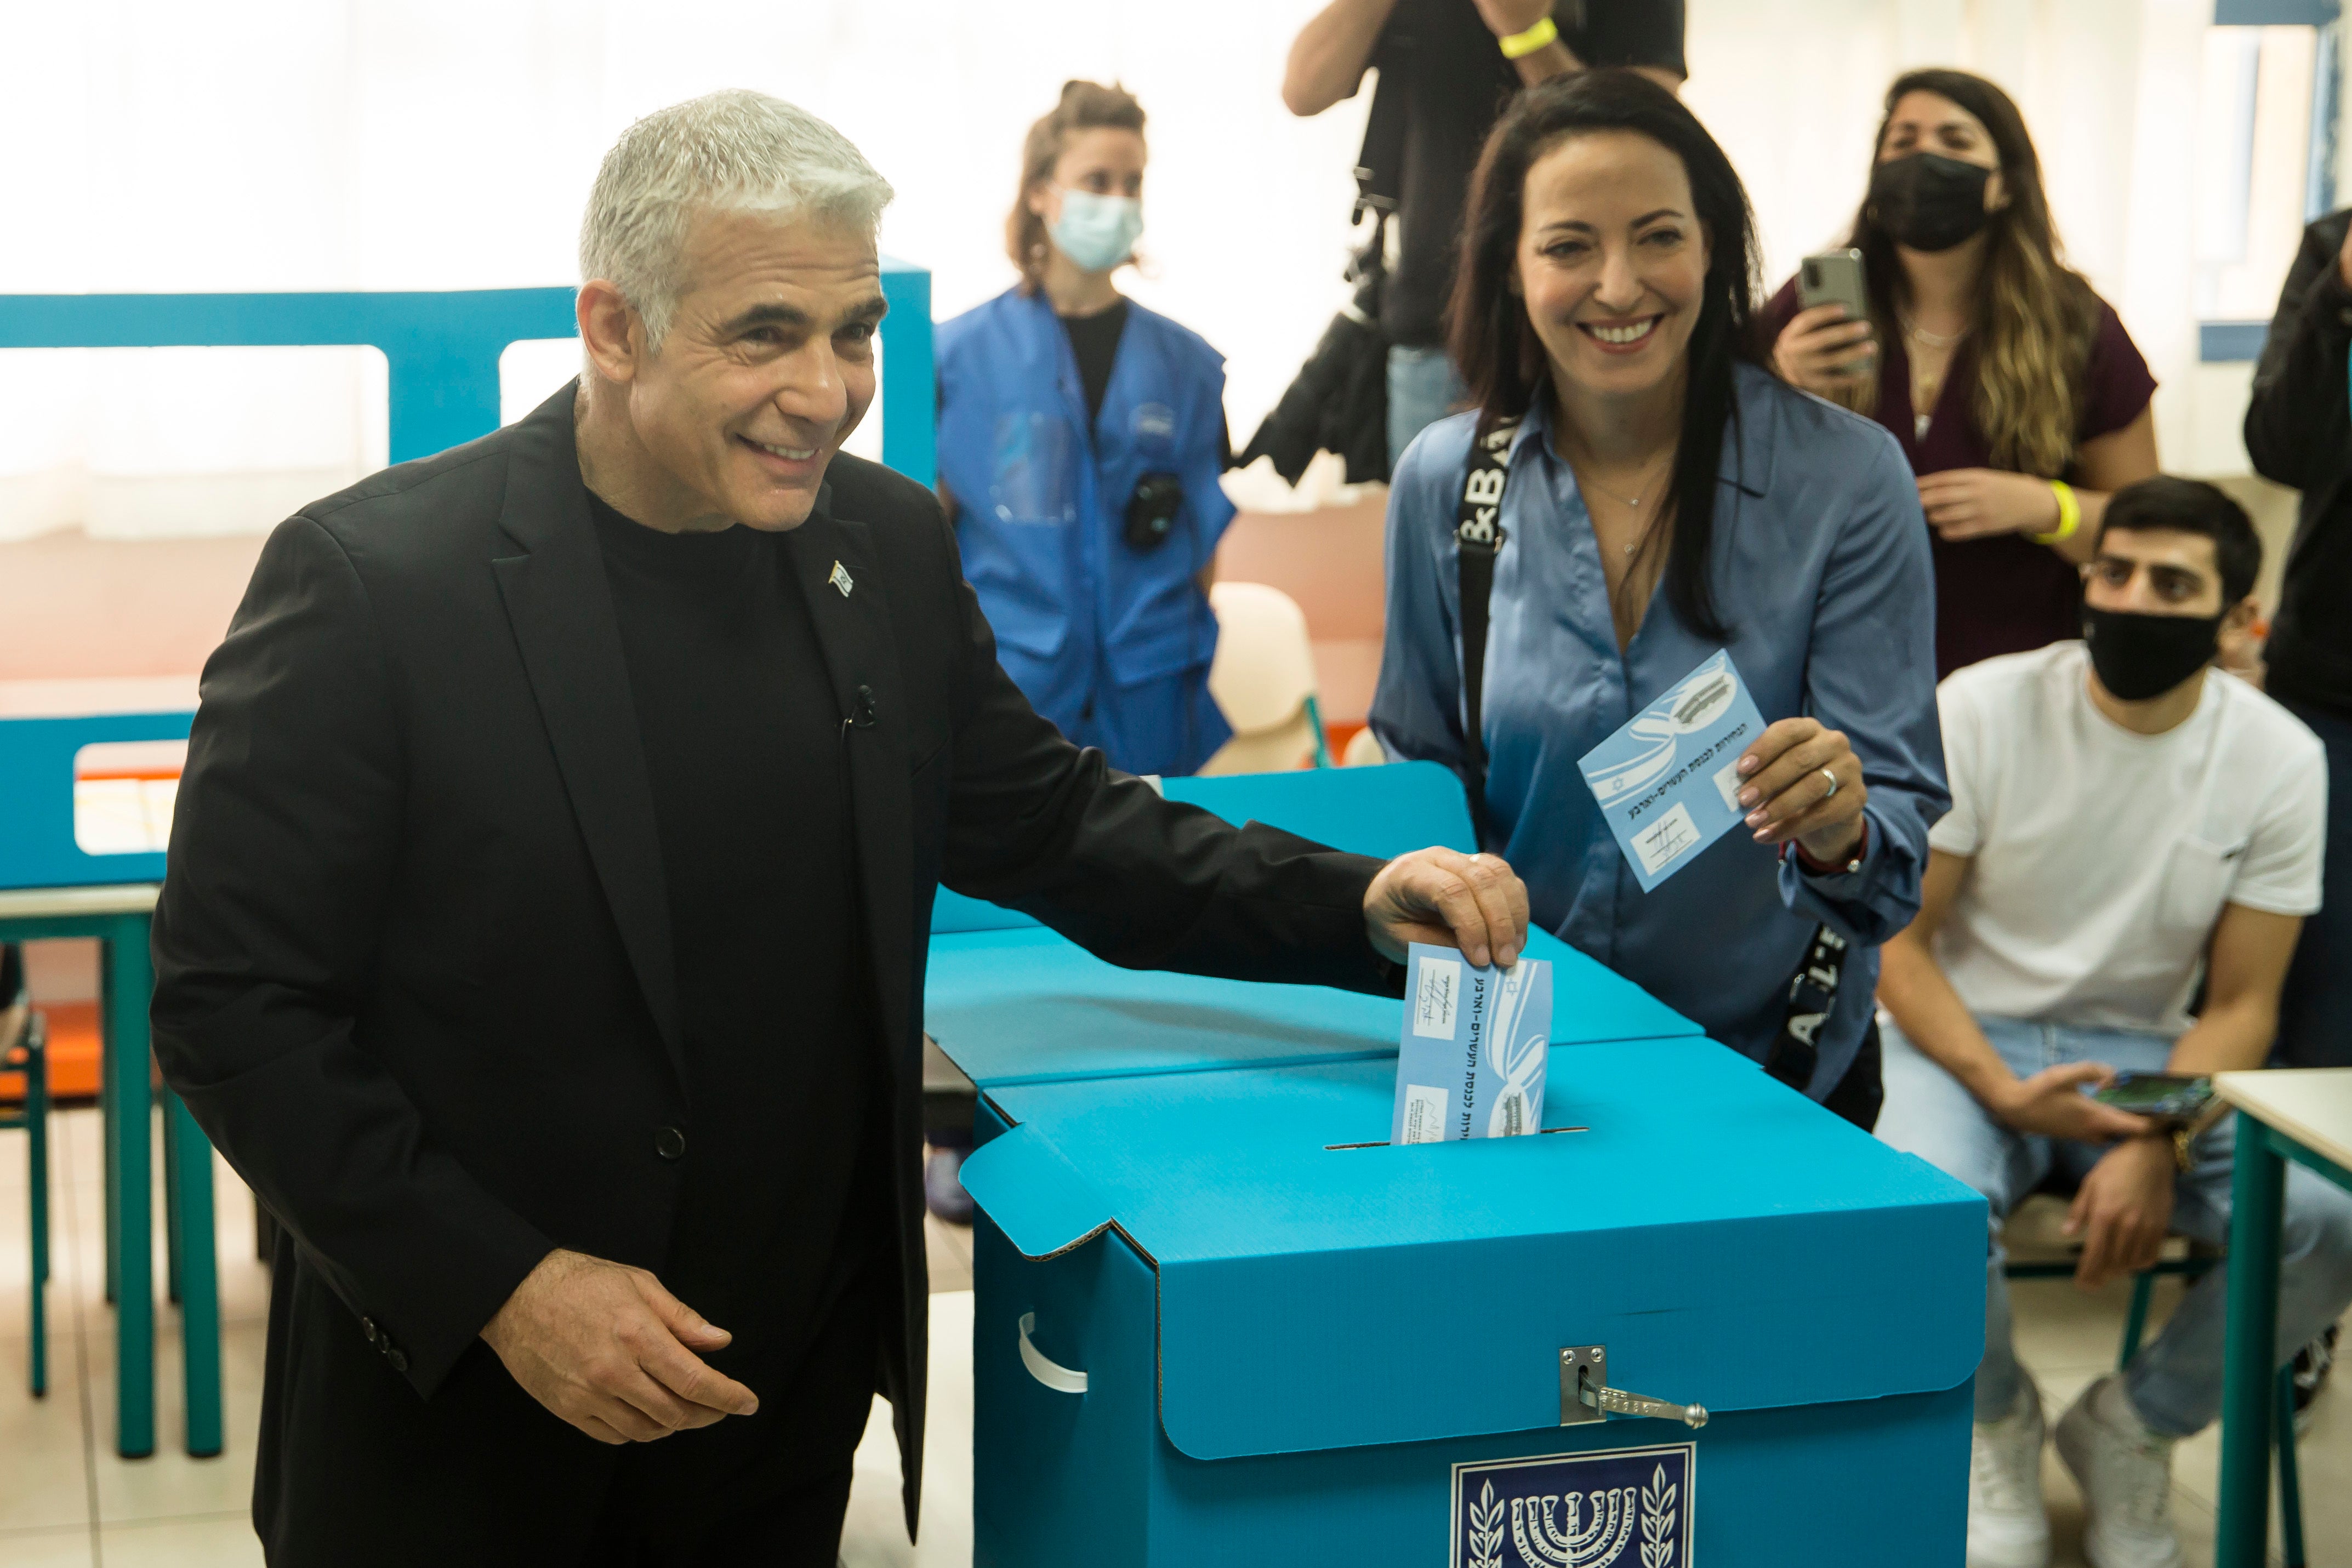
(562, 609)
(830, 554)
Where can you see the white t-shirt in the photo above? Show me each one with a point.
(2102, 858)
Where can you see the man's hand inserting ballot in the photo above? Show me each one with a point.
(1475, 902)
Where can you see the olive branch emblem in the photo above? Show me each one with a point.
(1485, 1529)
(1658, 1518)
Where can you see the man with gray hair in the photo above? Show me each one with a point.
(544, 935)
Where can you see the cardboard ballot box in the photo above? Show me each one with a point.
(1218, 1322)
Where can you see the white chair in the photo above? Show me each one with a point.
(1264, 679)
(1364, 750)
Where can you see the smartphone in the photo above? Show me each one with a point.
(2159, 1096)
(1835, 278)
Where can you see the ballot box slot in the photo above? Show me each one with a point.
(1585, 1395)
(1382, 1143)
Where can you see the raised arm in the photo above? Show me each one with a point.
(1870, 676)
(1037, 824)
(1331, 53)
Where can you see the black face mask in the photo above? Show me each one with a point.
(2141, 657)
(1929, 202)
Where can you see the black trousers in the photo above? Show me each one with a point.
(769, 1488)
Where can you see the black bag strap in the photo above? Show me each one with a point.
(1478, 538)
(1812, 993)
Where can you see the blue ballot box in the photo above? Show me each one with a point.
(1217, 1321)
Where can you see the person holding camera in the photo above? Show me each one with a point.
(1638, 494)
(1080, 441)
(2129, 827)
(1447, 67)
(2016, 393)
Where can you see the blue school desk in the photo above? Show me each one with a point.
(50, 887)
(1218, 1318)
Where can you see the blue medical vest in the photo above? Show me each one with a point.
(1110, 643)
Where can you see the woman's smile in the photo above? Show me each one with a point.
(1620, 337)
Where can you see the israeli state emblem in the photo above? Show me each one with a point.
(1627, 1508)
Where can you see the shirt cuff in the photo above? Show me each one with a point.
(1832, 876)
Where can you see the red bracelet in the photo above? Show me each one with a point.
(1811, 867)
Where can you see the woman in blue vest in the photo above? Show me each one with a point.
(1080, 439)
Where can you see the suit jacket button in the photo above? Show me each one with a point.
(367, 1327)
(669, 1142)
(398, 1357)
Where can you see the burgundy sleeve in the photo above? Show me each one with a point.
(1778, 312)
(2118, 381)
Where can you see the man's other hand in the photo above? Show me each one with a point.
(2052, 1103)
(2123, 1211)
(607, 1349)
(1475, 902)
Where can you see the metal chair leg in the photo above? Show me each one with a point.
(2290, 1478)
(37, 1141)
(2136, 1320)
(172, 1240)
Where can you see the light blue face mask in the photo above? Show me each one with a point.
(1097, 232)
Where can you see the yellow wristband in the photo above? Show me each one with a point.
(2070, 517)
(1528, 42)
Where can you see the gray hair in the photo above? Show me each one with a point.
(736, 150)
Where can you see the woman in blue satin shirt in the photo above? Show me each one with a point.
(1667, 497)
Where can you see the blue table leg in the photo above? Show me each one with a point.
(130, 983)
(2249, 1360)
(191, 1159)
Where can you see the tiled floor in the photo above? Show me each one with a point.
(65, 1498)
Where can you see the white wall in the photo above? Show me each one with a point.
(445, 143)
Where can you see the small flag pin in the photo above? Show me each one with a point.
(841, 578)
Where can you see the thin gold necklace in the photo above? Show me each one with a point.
(1933, 340)
(1631, 503)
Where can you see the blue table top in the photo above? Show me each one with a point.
(1027, 1006)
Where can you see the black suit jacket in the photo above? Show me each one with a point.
(414, 972)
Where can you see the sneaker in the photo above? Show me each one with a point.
(2007, 1525)
(2126, 1474)
(2312, 1365)
(943, 1186)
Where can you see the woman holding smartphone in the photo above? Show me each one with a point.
(1080, 441)
(1661, 497)
(2019, 399)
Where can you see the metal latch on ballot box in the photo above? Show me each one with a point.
(1585, 1395)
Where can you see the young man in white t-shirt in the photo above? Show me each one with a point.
(2134, 834)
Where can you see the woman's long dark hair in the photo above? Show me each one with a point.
(1496, 347)
(2036, 318)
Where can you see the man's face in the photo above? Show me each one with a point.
(2154, 572)
(767, 368)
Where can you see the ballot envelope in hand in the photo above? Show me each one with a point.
(1668, 781)
(1471, 1059)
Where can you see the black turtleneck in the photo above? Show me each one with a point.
(779, 1210)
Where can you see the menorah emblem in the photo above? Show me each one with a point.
(1642, 1502)
(1581, 1544)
